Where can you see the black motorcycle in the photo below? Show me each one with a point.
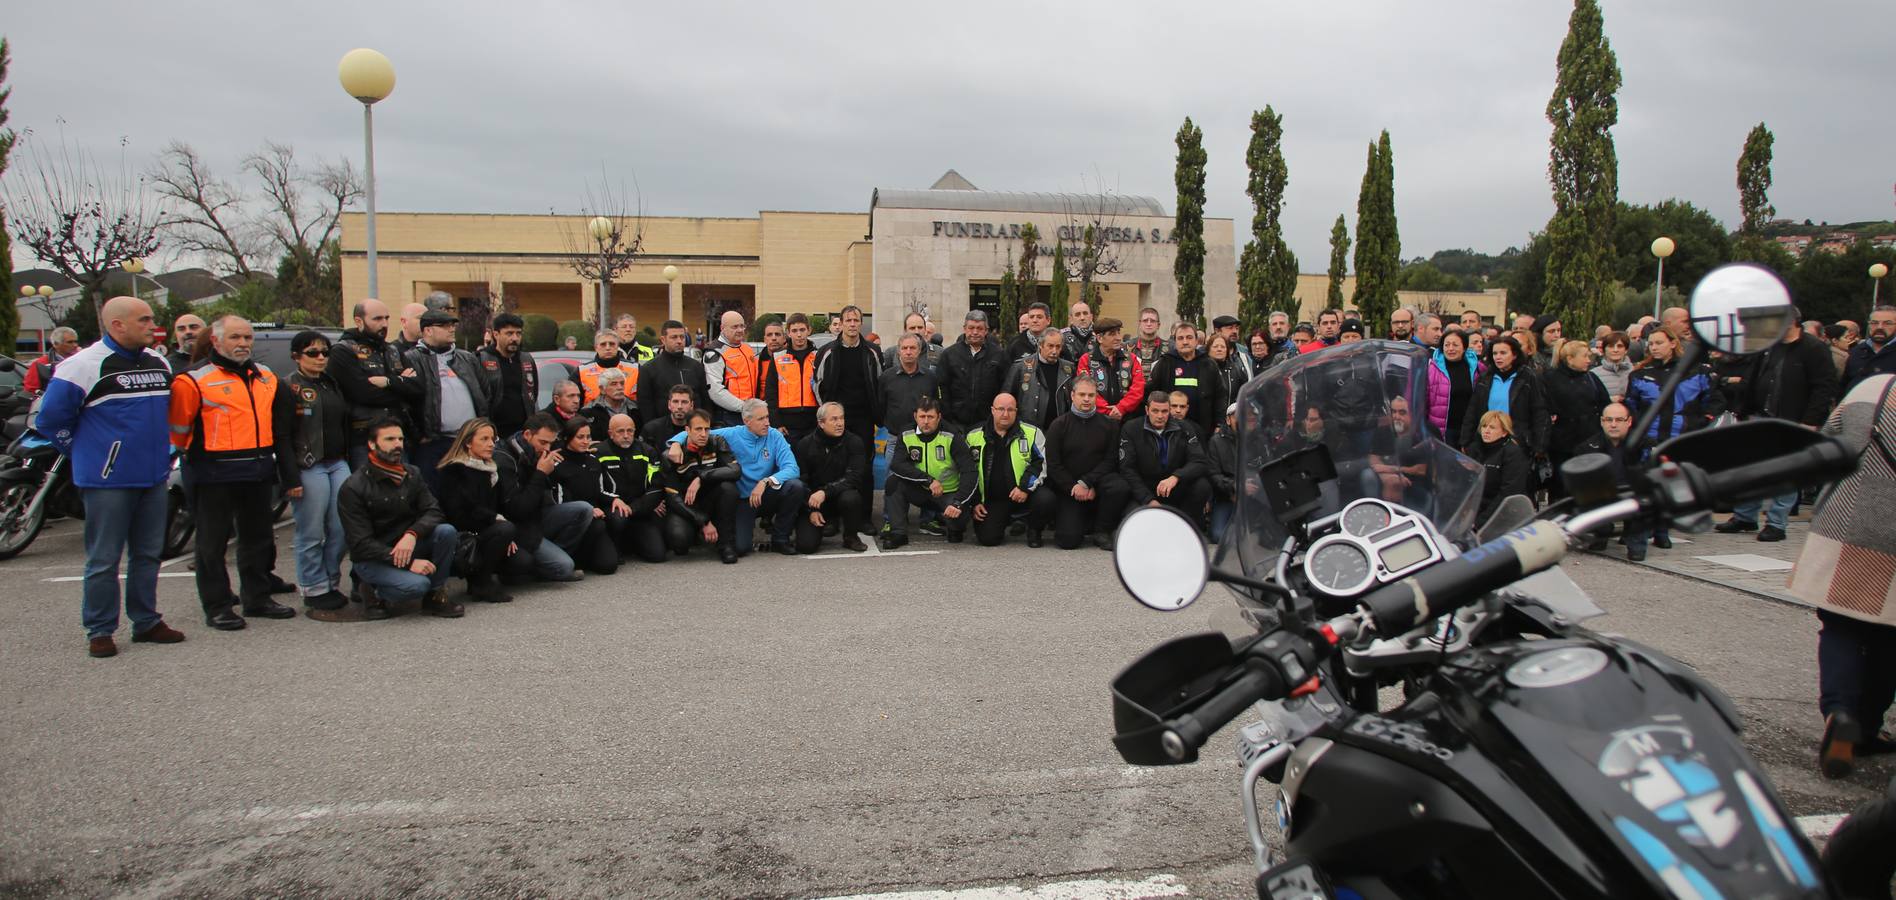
(1527, 756)
(35, 484)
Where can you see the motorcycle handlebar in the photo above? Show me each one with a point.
(1452, 584)
(1822, 463)
(1189, 732)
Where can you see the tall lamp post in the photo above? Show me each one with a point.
(369, 77)
(132, 267)
(675, 304)
(1662, 247)
(601, 229)
(1877, 271)
(45, 294)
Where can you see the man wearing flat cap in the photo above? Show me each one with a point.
(1230, 327)
(454, 390)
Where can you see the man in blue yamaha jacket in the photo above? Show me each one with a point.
(120, 461)
(768, 480)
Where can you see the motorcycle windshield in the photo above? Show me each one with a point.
(1366, 403)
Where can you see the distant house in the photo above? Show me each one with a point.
(1797, 244)
(1883, 241)
(38, 315)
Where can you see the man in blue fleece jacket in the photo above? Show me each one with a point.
(768, 482)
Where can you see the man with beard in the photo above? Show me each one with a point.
(1876, 356)
(1228, 326)
(1082, 448)
(401, 548)
(831, 461)
(228, 416)
(513, 380)
(1039, 380)
(611, 402)
(671, 366)
(606, 359)
(452, 391)
(184, 336)
(971, 373)
(372, 376)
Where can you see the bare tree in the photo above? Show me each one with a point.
(600, 258)
(78, 217)
(208, 216)
(1087, 239)
(301, 216)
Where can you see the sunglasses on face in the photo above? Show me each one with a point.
(315, 353)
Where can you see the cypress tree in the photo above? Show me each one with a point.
(1188, 229)
(1378, 241)
(1584, 171)
(1339, 262)
(1057, 293)
(1009, 313)
(1271, 279)
(1754, 181)
(1027, 277)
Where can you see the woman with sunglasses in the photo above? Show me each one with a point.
(321, 454)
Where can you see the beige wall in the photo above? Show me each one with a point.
(806, 260)
(914, 265)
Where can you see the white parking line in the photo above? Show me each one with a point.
(1091, 889)
(872, 552)
(64, 578)
(1815, 827)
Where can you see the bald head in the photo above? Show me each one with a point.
(184, 332)
(731, 327)
(371, 317)
(411, 321)
(128, 322)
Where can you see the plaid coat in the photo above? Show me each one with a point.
(1848, 565)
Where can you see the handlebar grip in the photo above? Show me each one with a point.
(1194, 728)
(1451, 584)
(1820, 464)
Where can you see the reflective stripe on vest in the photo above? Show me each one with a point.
(794, 390)
(935, 457)
(1023, 448)
(233, 419)
(740, 371)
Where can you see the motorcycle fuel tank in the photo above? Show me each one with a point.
(1575, 767)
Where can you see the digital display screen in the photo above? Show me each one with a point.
(1403, 554)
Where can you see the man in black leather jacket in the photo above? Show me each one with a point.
(971, 374)
(372, 376)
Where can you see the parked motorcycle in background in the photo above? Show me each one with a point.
(1528, 756)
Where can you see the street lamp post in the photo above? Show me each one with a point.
(675, 305)
(132, 267)
(369, 77)
(601, 229)
(45, 294)
(1662, 247)
(1877, 271)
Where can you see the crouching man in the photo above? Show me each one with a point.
(401, 548)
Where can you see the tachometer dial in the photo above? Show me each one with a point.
(1365, 519)
(1338, 568)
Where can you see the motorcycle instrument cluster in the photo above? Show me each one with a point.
(1379, 543)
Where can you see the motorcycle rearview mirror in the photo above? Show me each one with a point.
(1161, 559)
(1741, 309)
(6, 363)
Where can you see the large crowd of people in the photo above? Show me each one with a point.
(422, 462)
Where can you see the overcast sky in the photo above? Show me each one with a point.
(723, 109)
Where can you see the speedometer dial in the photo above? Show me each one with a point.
(1338, 568)
(1365, 519)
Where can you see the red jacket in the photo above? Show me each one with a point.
(1127, 378)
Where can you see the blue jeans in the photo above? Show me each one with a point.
(319, 540)
(547, 562)
(1856, 668)
(122, 522)
(1777, 515)
(1221, 513)
(401, 585)
(783, 501)
(565, 525)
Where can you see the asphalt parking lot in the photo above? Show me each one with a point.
(835, 725)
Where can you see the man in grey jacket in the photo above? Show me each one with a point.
(454, 389)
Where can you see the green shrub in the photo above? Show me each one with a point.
(540, 332)
(578, 329)
(819, 323)
(757, 327)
